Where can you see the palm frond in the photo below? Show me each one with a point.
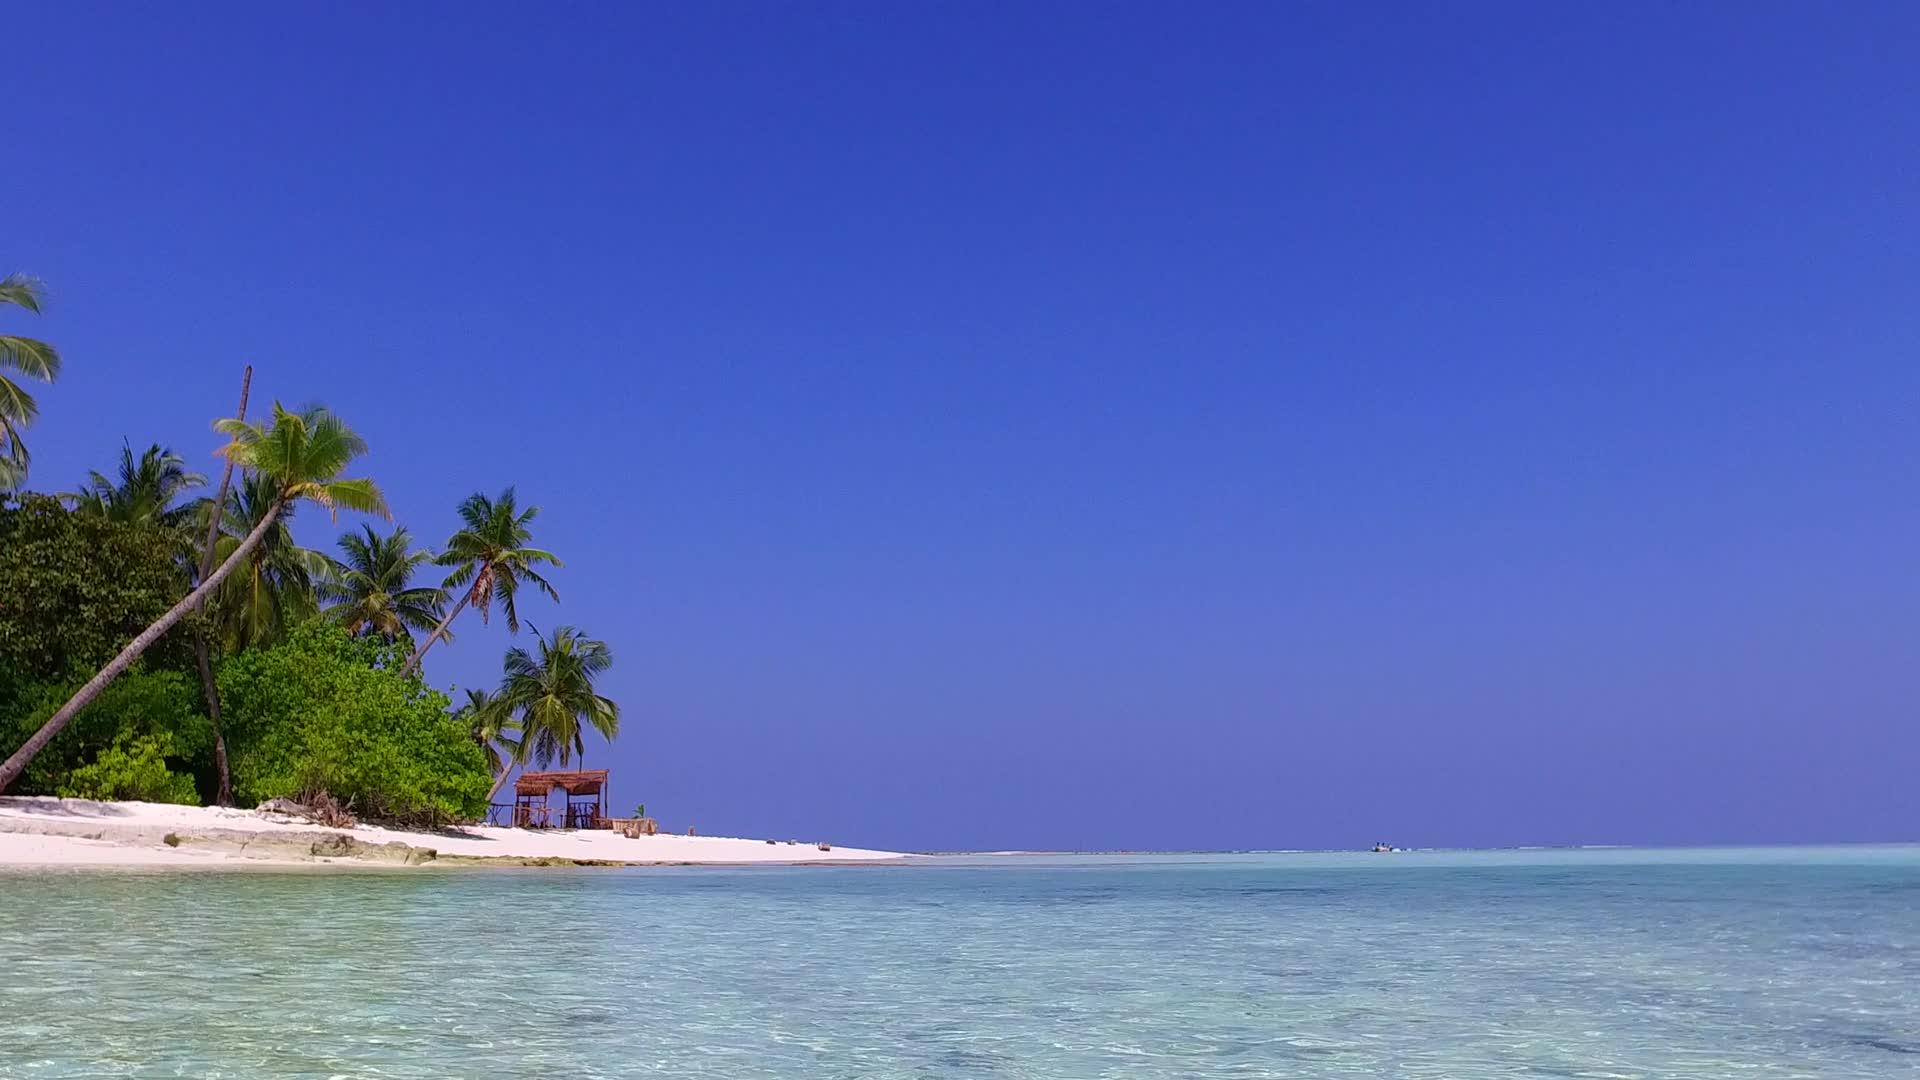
(504, 587)
(12, 446)
(30, 356)
(21, 291)
(460, 576)
(476, 509)
(16, 405)
(357, 494)
(604, 715)
(541, 582)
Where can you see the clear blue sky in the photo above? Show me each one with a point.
(999, 425)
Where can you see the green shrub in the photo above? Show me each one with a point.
(327, 712)
(144, 737)
(132, 768)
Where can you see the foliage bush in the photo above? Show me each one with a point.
(327, 712)
(145, 737)
(132, 768)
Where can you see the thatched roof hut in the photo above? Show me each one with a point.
(583, 782)
(586, 798)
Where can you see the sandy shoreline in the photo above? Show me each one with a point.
(47, 832)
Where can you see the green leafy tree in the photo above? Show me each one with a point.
(32, 358)
(143, 738)
(371, 588)
(304, 454)
(491, 560)
(74, 588)
(552, 695)
(326, 712)
(145, 491)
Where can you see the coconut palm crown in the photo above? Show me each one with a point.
(492, 726)
(144, 490)
(371, 591)
(552, 695)
(491, 560)
(304, 453)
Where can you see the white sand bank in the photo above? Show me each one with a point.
(38, 831)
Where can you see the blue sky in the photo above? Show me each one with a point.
(991, 425)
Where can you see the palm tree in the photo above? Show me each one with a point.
(143, 492)
(553, 696)
(490, 725)
(30, 357)
(369, 587)
(302, 454)
(278, 585)
(492, 559)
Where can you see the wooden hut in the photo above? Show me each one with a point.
(586, 799)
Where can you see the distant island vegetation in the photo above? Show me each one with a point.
(161, 641)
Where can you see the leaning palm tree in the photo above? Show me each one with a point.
(491, 726)
(30, 357)
(491, 560)
(277, 587)
(369, 588)
(553, 696)
(143, 492)
(303, 454)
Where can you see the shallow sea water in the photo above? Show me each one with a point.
(1760, 963)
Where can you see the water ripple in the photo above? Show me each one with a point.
(1468, 968)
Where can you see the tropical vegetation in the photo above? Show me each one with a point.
(492, 726)
(324, 712)
(371, 587)
(27, 357)
(76, 589)
(276, 584)
(551, 693)
(491, 560)
(146, 490)
(143, 738)
(163, 644)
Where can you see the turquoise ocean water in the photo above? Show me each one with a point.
(1757, 964)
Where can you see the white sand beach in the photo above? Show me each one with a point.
(38, 831)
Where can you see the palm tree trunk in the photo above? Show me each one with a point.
(223, 795)
(514, 761)
(10, 771)
(226, 479)
(413, 662)
(501, 781)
